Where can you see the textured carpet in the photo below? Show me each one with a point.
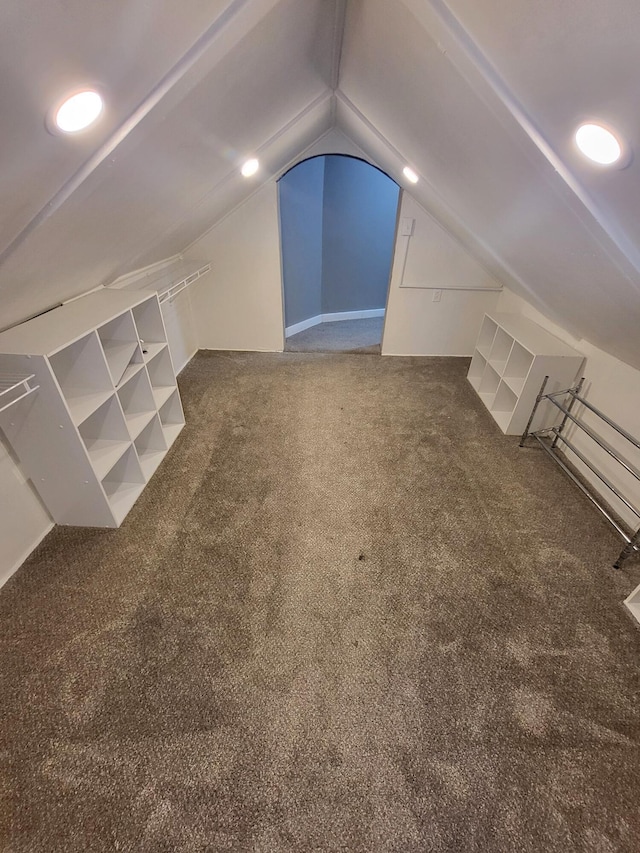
(347, 336)
(347, 614)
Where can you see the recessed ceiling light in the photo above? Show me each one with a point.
(598, 144)
(78, 111)
(250, 167)
(410, 175)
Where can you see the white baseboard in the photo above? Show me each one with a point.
(333, 318)
(302, 325)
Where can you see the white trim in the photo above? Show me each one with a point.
(427, 354)
(471, 288)
(353, 315)
(237, 349)
(302, 325)
(189, 358)
(6, 575)
(365, 314)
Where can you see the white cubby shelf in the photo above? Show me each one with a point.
(511, 358)
(107, 408)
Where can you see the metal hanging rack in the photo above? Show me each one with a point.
(14, 388)
(549, 438)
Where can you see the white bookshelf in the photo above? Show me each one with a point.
(107, 408)
(511, 358)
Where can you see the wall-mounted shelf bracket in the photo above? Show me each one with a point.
(14, 388)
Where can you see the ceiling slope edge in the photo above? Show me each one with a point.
(380, 151)
(243, 13)
(465, 55)
(275, 156)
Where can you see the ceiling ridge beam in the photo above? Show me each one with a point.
(339, 24)
(482, 66)
(170, 79)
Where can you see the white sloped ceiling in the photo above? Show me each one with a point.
(480, 97)
(261, 81)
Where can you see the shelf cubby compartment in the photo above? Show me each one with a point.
(476, 369)
(503, 405)
(119, 341)
(123, 484)
(500, 349)
(137, 403)
(485, 338)
(105, 436)
(172, 418)
(518, 367)
(151, 446)
(149, 325)
(489, 386)
(151, 350)
(163, 380)
(83, 376)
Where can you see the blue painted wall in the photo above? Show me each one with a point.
(358, 224)
(301, 215)
(337, 221)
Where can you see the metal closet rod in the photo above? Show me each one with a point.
(633, 541)
(15, 388)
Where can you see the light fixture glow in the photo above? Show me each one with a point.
(410, 175)
(250, 167)
(598, 144)
(78, 111)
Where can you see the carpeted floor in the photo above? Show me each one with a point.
(347, 336)
(348, 614)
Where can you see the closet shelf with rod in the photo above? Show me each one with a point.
(14, 388)
(167, 281)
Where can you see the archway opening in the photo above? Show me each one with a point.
(338, 219)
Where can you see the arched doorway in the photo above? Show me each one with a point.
(337, 225)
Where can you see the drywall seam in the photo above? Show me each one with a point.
(338, 41)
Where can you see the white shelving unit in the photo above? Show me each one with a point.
(511, 358)
(107, 407)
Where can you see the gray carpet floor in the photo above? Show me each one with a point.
(347, 336)
(347, 614)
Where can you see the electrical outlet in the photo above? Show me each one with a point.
(437, 295)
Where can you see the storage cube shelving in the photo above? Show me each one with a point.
(511, 358)
(107, 408)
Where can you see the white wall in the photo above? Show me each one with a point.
(431, 258)
(23, 520)
(181, 332)
(238, 305)
(614, 388)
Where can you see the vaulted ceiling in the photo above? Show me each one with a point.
(480, 97)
